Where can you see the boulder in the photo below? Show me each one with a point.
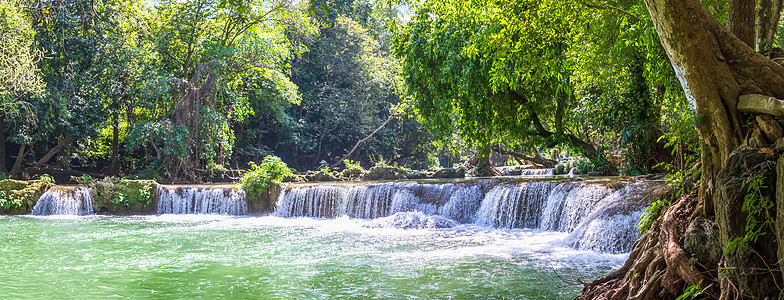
(732, 186)
(770, 127)
(702, 242)
(761, 104)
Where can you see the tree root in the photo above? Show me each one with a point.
(658, 266)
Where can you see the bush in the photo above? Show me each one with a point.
(353, 170)
(458, 172)
(384, 171)
(560, 169)
(271, 170)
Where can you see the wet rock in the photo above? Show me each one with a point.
(411, 220)
(702, 242)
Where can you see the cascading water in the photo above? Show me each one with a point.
(64, 201)
(538, 172)
(201, 200)
(599, 215)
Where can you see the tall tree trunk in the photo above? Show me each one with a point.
(2, 143)
(740, 20)
(763, 23)
(18, 164)
(775, 15)
(115, 145)
(64, 141)
(714, 67)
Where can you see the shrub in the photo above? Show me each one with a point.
(271, 170)
(384, 171)
(458, 172)
(353, 169)
(46, 178)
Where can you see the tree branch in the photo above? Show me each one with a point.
(391, 116)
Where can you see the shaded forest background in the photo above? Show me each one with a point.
(191, 90)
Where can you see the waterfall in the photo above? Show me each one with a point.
(514, 205)
(202, 200)
(538, 172)
(599, 215)
(64, 201)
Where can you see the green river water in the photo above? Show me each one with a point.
(274, 258)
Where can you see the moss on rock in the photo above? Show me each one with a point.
(19, 197)
(124, 197)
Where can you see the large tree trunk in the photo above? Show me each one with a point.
(65, 141)
(740, 20)
(115, 145)
(2, 143)
(480, 166)
(715, 67)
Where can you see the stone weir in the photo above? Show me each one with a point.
(599, 214)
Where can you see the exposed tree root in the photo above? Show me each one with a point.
(658, 266)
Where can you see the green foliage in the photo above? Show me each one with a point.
(122, 196)
(46, 178)
(693, 291)
(384, 171)
(352, 169)
(87, 179)
(19, 73)
(271, 170)
(757, 207)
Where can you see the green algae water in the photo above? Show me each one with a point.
(192, 256)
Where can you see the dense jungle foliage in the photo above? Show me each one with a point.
(191, 90)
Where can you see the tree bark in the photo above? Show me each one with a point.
(337, 163)
(2, 143)
(763, 22)
(18, 164)
(740, 20)
(115, 145)
(60, 145)
(714, 67)
(774, 19)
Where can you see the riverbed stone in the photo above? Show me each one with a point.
(702, 242)
(761, 104)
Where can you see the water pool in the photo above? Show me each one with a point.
(187, 256)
